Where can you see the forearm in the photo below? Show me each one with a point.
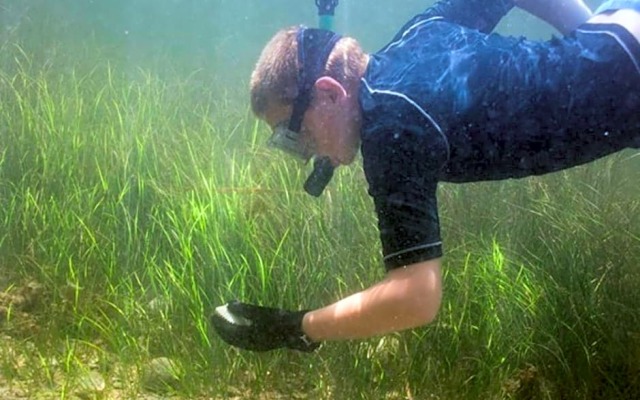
(406, 298)
(564, 15)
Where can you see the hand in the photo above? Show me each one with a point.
(259, 328)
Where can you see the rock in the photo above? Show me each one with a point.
(24, 298)
(90, 385)
(159, 305)
(161, 375)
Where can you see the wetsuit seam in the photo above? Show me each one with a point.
(409, 29)
(412, 249)
(617, 38)
(420, 109)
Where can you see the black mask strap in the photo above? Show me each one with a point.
(314, 48)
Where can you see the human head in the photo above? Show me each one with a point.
(274, 79)
(330, 119)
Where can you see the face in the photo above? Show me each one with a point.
(330, 126)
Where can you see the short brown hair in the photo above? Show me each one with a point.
(274, 78)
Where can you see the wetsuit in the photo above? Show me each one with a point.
(446, 100)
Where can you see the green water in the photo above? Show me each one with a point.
(136, 194)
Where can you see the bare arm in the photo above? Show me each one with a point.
(408, 297)
(564, 15)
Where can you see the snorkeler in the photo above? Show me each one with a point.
(447, 101)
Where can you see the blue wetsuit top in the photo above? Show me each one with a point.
(447, 101)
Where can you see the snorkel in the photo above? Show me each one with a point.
(322, 167)
(314, 48)
(326, 11)
(319, 177)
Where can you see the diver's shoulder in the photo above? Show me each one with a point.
(628, 18)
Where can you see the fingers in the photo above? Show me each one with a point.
(258, 328)
(246, 337)
(257, 314)
(231, 317)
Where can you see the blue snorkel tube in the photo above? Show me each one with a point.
(326, 11)
(322, 168)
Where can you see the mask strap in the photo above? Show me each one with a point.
(314, 48)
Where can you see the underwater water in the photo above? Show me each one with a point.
(137, 193)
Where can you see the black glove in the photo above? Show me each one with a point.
(259, 328)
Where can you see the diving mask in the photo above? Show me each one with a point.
(291, 142)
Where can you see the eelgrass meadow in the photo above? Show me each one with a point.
(133, 202)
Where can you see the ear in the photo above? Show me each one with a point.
(330, 89)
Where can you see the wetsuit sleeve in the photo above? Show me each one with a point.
(408, 223)
(401, 164)
(482, 15)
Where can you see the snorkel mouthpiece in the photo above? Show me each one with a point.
(320, 177)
